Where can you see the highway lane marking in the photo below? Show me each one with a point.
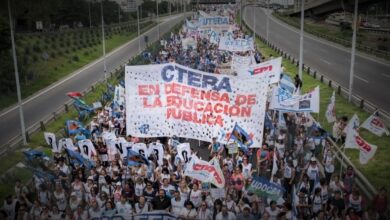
(385, 75)
(328, 43)
(362, 79)
(325, 61)
(77, 72)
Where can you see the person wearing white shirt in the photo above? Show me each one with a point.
(142, 205)
(272, 210)
(189, 212)
(123, 207)
(196, 195)
(204, 213)
(94, 211)
(225, 214)
(177, 204)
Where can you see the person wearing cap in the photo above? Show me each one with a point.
(313, 172)
(246, 213)
(225, 214)
(177, 203)
(189, 212)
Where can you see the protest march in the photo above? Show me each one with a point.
(209, 130)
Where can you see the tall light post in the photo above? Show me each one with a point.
(254, 24)
(103, 40)
(301, 39)
(139, 32)
(20, 104)
(351, 71)
(158, 21)
(267, 20)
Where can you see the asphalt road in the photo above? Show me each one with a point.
(371, 76)
(45, 102)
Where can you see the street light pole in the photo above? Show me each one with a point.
(139, 32)
(158, 22)
(351, 72)
(301, 39)
(267, 20)
(103, 40)
(20, 104)
(254, 24)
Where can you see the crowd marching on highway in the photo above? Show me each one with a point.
(100, 171)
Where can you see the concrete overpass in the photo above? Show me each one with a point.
(323, 7)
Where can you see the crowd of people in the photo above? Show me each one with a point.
(306, 162)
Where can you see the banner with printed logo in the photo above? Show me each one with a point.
(205, 171)
(236, 45)
(214, 22)
(287, 102)
(271, 69)
(375, 125)
(264, 188)
(168, 100)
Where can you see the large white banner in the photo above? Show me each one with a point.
(271, 69)
(284, 101)
(214, 22)
(170, 99)
(236, 45)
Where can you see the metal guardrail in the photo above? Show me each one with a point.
(362, 182)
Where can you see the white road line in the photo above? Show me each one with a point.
(364, 80)
(385, 75)
(325, 61)
(76, 73)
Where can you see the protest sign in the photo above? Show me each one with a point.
(87, 149)
(309, 102)
(375, 125)
(240, 63)
(168, 100)
(217, 193)
(157, 150)
(119, 95)
(236, 45)
(232, 148)
(264, 188)
(66, 143)
(367, 150)
(205, 171)
(51, 141)
(184, 152)
(270, 69)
